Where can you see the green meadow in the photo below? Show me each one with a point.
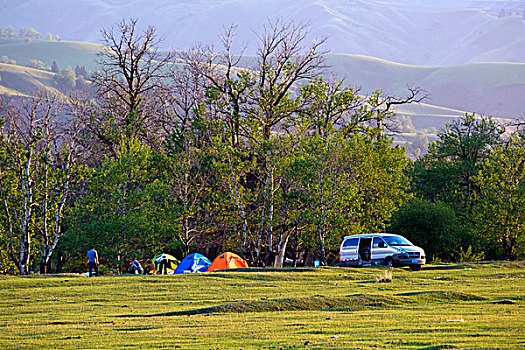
(448, 306)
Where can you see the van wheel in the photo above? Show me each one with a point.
(389, 261)
(415, 267)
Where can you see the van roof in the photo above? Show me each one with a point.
(371, 235)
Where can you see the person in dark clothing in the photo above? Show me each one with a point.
(162, 261)
(92, 261)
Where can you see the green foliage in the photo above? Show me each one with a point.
(469, 256)
(127, 210)
(432, 226)
(10, 32)
(447, 172)
(501, 201)
(213, 156)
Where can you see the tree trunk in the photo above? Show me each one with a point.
(61, 261)
(281, 248)
(263, 215)
(45, 266)
(270, 214)
(25, 252)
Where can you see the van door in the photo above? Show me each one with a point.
(349, 250)
(380, 249)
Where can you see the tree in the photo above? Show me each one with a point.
(65, 79)
(281, 62)
(37, 171)
(447, 172)
(54, 67)
(29, 33)
(80, 83)
(36, 64)
(432, 226)
(127, 207)
(10, 32)
(49, 37)
(499, 212)
(131, 71)
(81, 70)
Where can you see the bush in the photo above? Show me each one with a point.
(432, 226)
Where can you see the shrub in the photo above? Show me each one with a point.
(432, 226)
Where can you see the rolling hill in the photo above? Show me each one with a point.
(485, 88)
(418, 32)
(19, 80)
(65, 53)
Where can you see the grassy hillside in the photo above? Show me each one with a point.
(454, 306)
(18, 80)
(65, 53)
(487, 88)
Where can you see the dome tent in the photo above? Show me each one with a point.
(193, 263)
(227, 261)
(172, 262)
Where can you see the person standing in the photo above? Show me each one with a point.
(162, 262)
(92, 261)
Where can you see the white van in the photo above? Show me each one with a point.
(380, 249)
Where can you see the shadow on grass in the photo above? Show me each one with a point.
(442, 296)
(444, 267)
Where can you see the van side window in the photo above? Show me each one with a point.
(377, 240)
(351, 243)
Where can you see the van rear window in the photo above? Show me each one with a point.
(352, 242)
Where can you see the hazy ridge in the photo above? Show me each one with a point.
(421, 32)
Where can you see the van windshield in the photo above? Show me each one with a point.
(396, 240)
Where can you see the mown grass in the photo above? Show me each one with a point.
(469, 306)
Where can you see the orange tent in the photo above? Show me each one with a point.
(227, 261)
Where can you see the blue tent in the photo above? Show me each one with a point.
(193, 263)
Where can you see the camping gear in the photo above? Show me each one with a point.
(193, 263)
(169, 260)
(227, 261)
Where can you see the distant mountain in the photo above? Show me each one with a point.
(419, 32)
(486, 88)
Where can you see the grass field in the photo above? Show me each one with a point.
(465, 306)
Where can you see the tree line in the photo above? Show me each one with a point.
(207, 150)
(27, 34)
